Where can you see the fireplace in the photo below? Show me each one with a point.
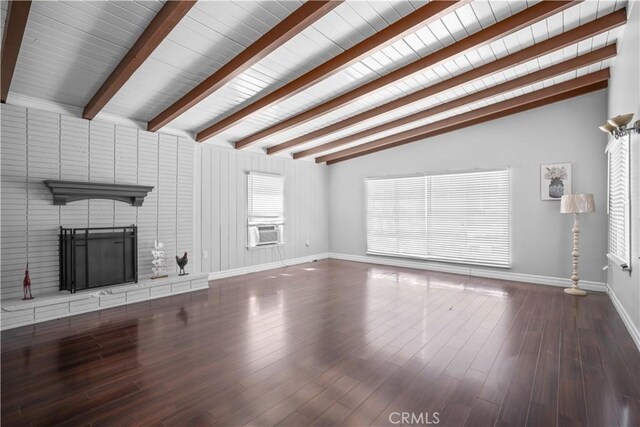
(95, 257)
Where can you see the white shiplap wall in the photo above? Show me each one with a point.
(38, 145)
(221, 208)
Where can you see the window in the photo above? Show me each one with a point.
(469, 217)
(265, 209)
(618, 203)
(396, 220)
(458, 217)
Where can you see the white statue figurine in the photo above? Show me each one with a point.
(159, 269)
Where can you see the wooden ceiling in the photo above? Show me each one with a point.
(332, 79)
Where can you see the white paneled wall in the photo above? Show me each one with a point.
(221, 208)
(13, 152)
(43, 218)
(74, 166)
(184, 197)
(38, 145)
(167, 182)
(148, 212)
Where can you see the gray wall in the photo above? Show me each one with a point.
(624, 97)
(221, 208)
(541, 236)
(39, 145)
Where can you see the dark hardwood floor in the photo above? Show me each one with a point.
(331, 343)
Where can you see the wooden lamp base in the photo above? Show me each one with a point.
(575, 291)
(575, 253)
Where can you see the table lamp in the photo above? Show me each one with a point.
(576, 204)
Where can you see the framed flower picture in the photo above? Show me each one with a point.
(555, 181)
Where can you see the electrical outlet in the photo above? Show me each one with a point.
(205, 254)
(307, 243)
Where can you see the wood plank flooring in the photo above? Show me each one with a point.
(331, 343)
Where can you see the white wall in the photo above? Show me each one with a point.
(624, 97)
(39, 145)
(541, 236)
(221, 211)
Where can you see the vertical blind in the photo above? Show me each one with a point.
(460, 217)
(618, 203)
(266, 198)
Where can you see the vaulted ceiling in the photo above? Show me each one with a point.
(328, 80)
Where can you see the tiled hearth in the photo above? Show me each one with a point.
(54, 305)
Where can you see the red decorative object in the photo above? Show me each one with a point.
(26, 284)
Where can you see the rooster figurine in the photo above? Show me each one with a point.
(182, 262)
(26, 284)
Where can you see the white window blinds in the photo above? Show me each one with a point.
(618, 204)
(461, 217)
(396, 220)
(266, 198)
(469, 217)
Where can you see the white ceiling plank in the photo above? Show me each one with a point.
(483, 13)
(70, 48)
(468, 19)
(454, 26)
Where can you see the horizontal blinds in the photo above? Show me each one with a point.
(396, 216)
(265, 198)
(462, 217)
(619, 199)
(468, 217)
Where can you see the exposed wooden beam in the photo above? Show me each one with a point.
(301, 18)
(422, 16)
(419, 132)
(157, 30)
(507, 26)
(553, 71)
(555, 43)
(524, 107)
(389, 35)
(15, 24)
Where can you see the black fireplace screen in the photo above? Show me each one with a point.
(94, 257)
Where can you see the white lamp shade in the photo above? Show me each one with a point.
(621, 120)
(607, 128)
(577, 203)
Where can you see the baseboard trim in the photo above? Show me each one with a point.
(470, 271)
(268, 266)
(626, 319)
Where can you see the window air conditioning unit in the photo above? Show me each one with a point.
(260, 235)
